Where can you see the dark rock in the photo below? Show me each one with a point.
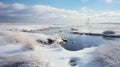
(76, 33)
(50, 41)
(108, 32)
(74, 29)
(26, 30)
(39, 41)
(73, 62)
(64, 40)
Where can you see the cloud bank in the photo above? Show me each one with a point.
(20, 13)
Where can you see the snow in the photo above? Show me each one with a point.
(55, 56)
(90, 31)
(109, 54)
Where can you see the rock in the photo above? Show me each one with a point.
(74, 29)
(108, 32)
(39, 41)
(73, 62)
(64, 40)
(50, 41)
(26, 30)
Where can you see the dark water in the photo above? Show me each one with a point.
(78, 42)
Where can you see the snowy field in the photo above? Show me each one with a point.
(28, 45)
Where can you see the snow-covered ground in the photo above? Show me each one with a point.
(25, 49)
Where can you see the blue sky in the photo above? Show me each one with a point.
(102, 9)
(71, 4)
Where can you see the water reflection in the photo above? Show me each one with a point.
(109, 38)
(78, 42)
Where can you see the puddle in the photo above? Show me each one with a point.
(78, 42)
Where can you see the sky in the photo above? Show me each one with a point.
(59, 11)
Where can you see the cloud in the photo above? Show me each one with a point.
(47, 14)
(36, 13)
(18, 6)
(86, 10)
(109, 1)
(2, 5)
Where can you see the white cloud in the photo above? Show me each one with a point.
(2, 5)
(86, 10)
(49, 9)
(18, 6)
(45, 13)
(109, 1)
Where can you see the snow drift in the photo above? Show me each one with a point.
(22, 60)
(109, 54)
(29, 40)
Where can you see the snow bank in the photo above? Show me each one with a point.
(19, 38)
(29, 40)
(23, 60)
(48, 56)
(109, 54)
(62, 58)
